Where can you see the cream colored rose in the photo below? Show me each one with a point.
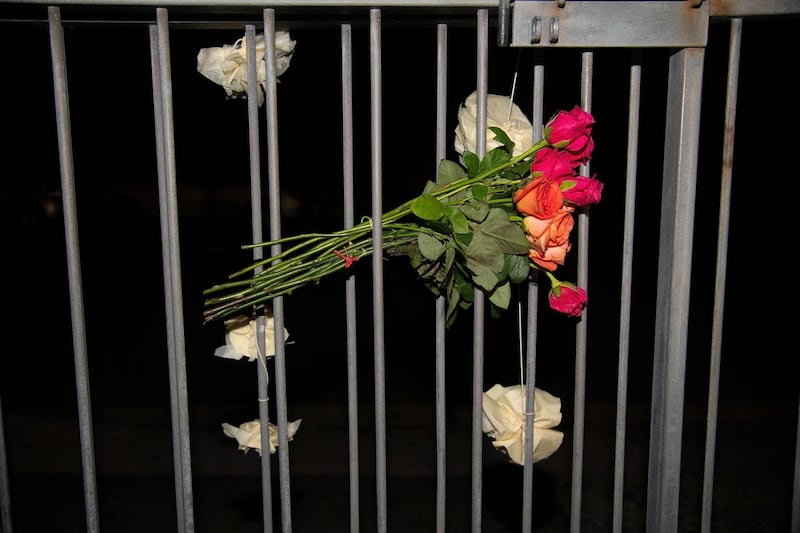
(227, 65)
(240, 338)
(504, 421)
(501, 112)
(249, 434)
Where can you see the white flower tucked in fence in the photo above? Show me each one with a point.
(249, 434)
(227, 65)
(240, 338)
(504, 421)
(502, 113)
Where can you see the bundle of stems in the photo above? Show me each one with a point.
(309, 257)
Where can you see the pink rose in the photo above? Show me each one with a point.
(555, 164)
(572, 131)
(581, 190)
(541, 198)
(568, 299)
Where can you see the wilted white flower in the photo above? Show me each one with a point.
(227, 65)
(501, 112)
(240, 338)
(504, 420)
(249, 434)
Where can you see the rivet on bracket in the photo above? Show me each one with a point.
(554, 29)
(536, 29)
(562, 3)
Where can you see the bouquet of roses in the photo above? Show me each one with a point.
(483, 224)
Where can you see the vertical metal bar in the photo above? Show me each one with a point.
(722, 262)
(441, 304)
(73, 266)
(796, 487)
(5, 489)
(174, 302)
(531, 332)
(256, 221)
(482, 72)
(634, 101)
(580, 333)
(672, 298)
(377, 264)
(503, 18)
(350, 282)
(271, 103)
(158, 116)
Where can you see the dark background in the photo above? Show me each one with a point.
(116, 188)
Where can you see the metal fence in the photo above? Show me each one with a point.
(657, 436)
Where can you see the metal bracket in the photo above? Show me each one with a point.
(600, 23)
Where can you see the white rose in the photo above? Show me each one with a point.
(227, 65)
(504, 420)
(240, 339)
(248, 435)
(501, 112)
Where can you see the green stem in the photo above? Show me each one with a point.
(314, 257)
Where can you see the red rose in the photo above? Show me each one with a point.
(555, 164)
(568, 299)
(581, 190)
(572, 131)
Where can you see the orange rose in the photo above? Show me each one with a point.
(549, 238)
(541, 198)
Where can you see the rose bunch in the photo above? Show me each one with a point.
(483, 224)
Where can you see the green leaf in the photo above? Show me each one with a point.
(458, 221)
(449, 171)
(483, 276)
(472, 162)
(464, 288)
(449, 256)
(501, 137)
(508, 236)
(427, 207)
(463, 238)
(484, 260)
(566, 185)
(493, 159)
(430, 247)
(501, 296)
(476, 211)
(430, 186)
(479, 191)
(518, 268)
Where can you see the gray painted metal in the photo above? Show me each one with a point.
(599, 24)
(168, 209)
(379, 341)
(482, 71)
(348, 148)
(580, 330)
(262, 377)
(274, 3)
(796, 486)
(634, 102)
(531, 324)
(673, 290)
(5, 490)
(271, 104)
(74, 267)
(722, 265)
(441, 305)
(672, 297)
